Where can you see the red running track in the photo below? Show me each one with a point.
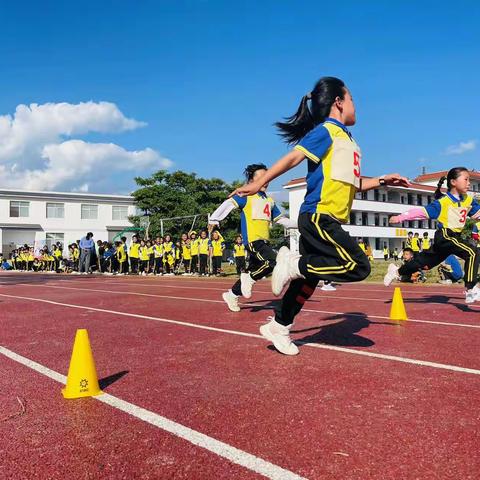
(323, 414)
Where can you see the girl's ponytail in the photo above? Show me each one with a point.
(306, 118)
(299, 124)
(438, 191)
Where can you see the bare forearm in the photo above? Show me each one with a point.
(287, 162)
(369, 183)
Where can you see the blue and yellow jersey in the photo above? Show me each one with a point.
(57, 253)
(203, 246)
(238, 250)
(150, 251)
(217, 247)
(186, 251)
(257, 213)
(452, 212)
(425, 243)
(333, 170)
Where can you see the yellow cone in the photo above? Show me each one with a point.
(397, 311)
(82, 378)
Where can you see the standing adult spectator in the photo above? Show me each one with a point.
(87, 249)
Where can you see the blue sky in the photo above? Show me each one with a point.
(209, 78)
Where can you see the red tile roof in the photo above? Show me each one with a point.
(436, 175)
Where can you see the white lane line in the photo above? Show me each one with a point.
(394, 358)
(234, 455)
(161, 282)
(207, 300)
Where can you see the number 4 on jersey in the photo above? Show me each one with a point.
(266, 210)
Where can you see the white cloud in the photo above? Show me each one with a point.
(462, 147)
(37, 154)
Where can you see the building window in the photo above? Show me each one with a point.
(377, 219)
(385, 221)
(119, 212)
(364, 195)
(53, 238)
(376, 194)
(419, 200)
(19, 209)
(384, 197)
(377, 244)
(55, 210)
(89, 212)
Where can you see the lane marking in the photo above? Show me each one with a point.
(458, 293)
(234, 455)
(207, 300)
(425, 363)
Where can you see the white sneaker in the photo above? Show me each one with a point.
(391, 275)
(246, 284)
(470, 296)
(279, 335)
(328, 287)
(476, 290)
(231, 300)
(285, 270)
(445, 282)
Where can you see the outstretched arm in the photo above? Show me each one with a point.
(287, 162)
(221, 212)
(418, 213)
(390, 179)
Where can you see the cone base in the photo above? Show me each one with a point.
(72, 395)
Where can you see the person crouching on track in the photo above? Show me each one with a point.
(257, 213)
(451, 211)
(415, 277)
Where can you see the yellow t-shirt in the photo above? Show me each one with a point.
(217, 247)
(186, 251)
(143, 253)
(203, 246)
(194, 246)
(158, 250)
(239, 250)
(134, 250)
(121, 256)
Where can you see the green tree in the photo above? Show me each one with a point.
(180, 194)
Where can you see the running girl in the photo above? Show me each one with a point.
(451, 211)
(257, 213)
(327, 252)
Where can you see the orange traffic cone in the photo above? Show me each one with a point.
(82, 378)
(397, 311)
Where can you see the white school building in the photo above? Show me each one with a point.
(371, 210)
(43, 218)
